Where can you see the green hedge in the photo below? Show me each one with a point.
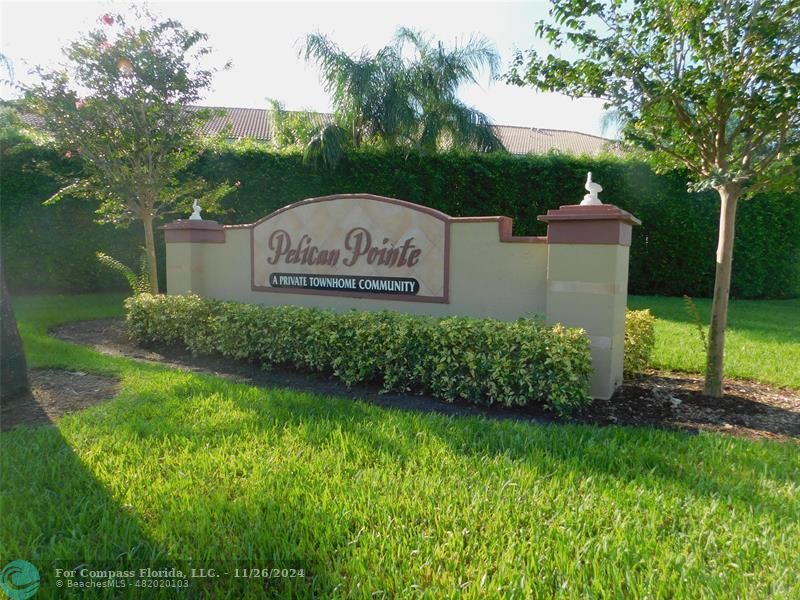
(672, 253)
(479, 360)
(53, 247)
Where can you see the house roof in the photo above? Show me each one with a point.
(239, 123)
(256, 123)
(533, 140)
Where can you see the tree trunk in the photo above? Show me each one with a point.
(150, 247)
(13, 366)
(729, 195)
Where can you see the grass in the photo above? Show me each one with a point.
(380, 503)
(762, 341)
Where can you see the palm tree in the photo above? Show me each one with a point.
(390, 100)
(436, 73)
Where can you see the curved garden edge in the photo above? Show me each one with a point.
(54, 393)
(659, 399)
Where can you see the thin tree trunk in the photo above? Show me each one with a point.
(150, 247)
(729, 195)
(13, 366)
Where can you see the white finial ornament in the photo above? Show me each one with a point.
(591, 198)
(196, 212)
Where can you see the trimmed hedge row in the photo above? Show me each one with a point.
(672, 253)
(483, 361)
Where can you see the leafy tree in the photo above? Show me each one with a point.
(399, 98)
(12, 130)
(120, 103)
(710, 86)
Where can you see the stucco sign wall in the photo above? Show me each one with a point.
(353, 247)
(366, 252)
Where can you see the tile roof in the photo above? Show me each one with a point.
(256, 123)
(238, 123)
(532, 140)
(242, 123)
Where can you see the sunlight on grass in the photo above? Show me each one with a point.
(762, 341)
(393, 504)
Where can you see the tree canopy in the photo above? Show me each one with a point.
(710, 86)
(119, 103)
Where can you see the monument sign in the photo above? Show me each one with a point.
(372, 253)
(353, 247)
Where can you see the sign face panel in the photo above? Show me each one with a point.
(353, 245)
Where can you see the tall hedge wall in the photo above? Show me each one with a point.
(52, 247)
(672, 253)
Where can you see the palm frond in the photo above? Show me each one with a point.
(139, 284)
(402, 98)
(327, 146)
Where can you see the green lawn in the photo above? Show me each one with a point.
(377, 503)
(762, 341)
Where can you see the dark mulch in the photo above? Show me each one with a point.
(55, 392)
(676, 400)
(661, 399)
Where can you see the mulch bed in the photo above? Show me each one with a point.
(675, 400)
(55, 392)
(659, 399)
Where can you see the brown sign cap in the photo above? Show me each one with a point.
(195, 231)
(598, 224)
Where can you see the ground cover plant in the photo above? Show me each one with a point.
(382, 503)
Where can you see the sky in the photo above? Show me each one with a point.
(261, 39)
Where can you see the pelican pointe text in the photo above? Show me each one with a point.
(358, 245)
(358, 248)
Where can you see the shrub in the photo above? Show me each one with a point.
(640, 337)
(483, 361)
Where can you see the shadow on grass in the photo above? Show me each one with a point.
(58, 515)
(763, 320)
(677, 462)
(54, 509)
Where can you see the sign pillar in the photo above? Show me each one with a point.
(587, 282)
(185, 240)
